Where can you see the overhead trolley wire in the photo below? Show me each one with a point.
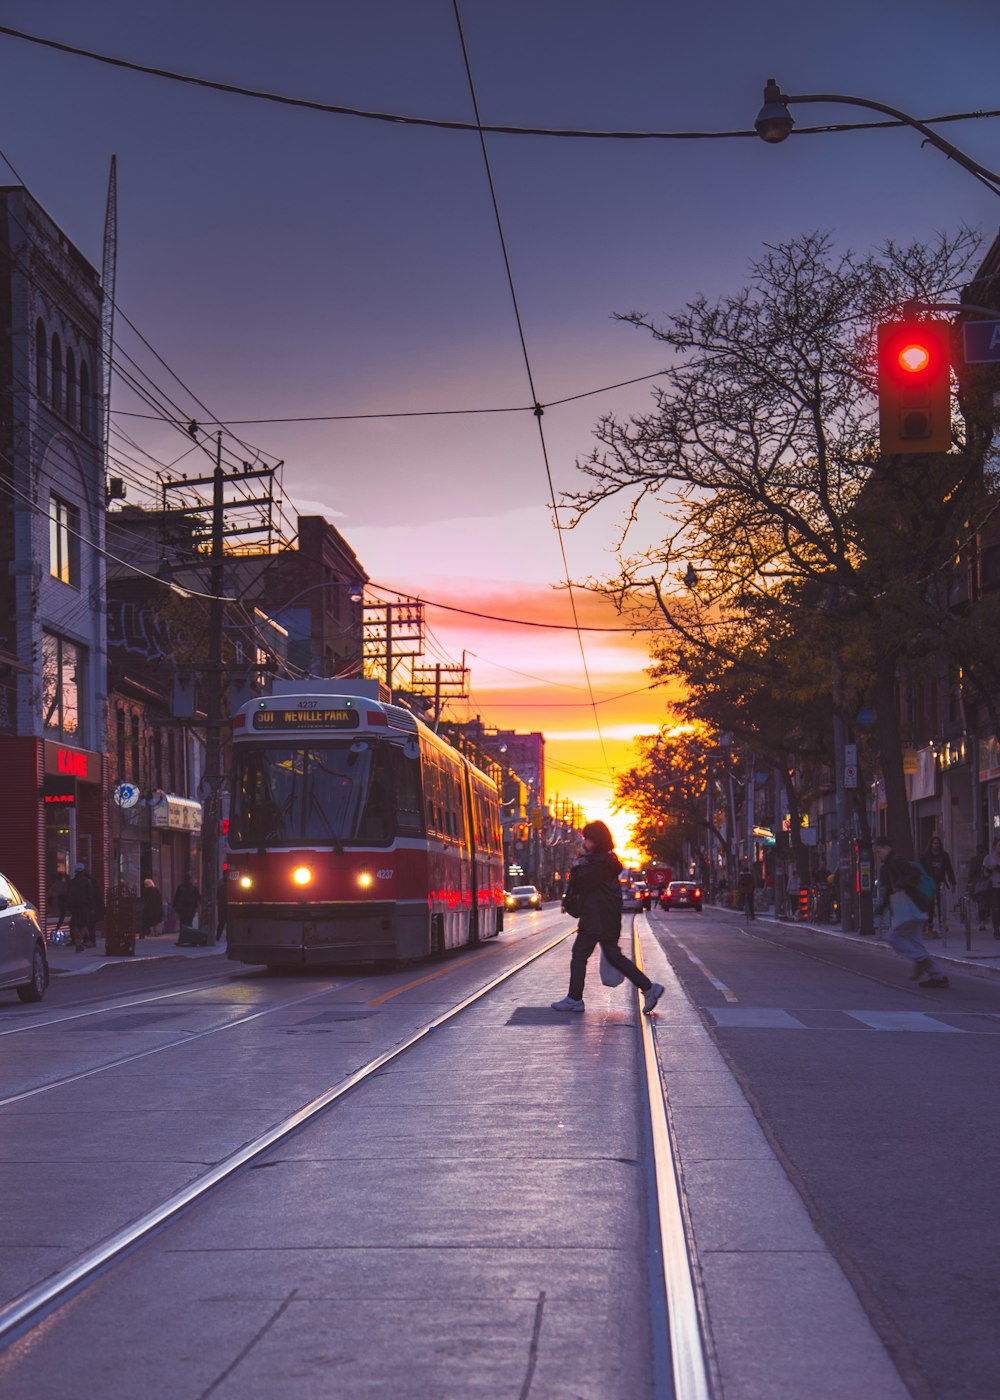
(527, 367)
(400, 119)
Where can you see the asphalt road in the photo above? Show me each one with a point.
(880, 1100)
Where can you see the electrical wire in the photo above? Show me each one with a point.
(527, 365)
(400, 119)
(423, 412)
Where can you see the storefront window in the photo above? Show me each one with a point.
(62, 677)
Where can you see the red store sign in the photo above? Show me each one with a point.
(63, 761)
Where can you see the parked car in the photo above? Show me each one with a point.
(23, 964)
(682, 894)
(524, 897)
(637, 895)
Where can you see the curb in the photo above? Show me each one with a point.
(872, 941)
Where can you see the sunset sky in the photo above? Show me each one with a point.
(291, 264)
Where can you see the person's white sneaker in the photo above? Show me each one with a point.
(568, 1004)
(651, 997)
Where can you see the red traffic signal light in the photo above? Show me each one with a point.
(914, 387)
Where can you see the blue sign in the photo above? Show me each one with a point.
(865, 719)
(981, 342)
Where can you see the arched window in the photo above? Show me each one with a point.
(72, 411)
(57, 374)
(41, 360)
(85, 426)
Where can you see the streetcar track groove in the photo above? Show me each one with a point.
(22, 1313)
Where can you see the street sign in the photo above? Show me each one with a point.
(850, 775)
(850, 755)
(981, 342)
(126, 794)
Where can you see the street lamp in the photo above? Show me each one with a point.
(774, 122)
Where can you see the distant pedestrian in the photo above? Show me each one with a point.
(221, 908)
(991, 869)
(937, 862)
(187, 901)
(55, 899)
(594, 896)
(897, 884)
(152, 909)
(84, 906)
(745, 886)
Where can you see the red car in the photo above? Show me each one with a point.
(682, 894)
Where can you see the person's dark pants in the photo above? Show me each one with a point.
(746, 902)
(583, 945)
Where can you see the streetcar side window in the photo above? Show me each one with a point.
(406, 791)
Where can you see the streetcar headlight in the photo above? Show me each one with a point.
(302, 875)
(245, 882)
(365, 879)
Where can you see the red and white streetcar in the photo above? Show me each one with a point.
(356, 834)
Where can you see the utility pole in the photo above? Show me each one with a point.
(212, 690)
(211, 819)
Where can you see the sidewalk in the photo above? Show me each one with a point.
(981, 957)
(64, 959)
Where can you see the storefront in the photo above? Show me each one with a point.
(175, 827)
(54, 815)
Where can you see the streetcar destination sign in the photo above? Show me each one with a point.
(305, 719)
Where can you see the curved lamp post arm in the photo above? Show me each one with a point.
(774, 122)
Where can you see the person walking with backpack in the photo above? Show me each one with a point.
(594, 896)
(899, 891)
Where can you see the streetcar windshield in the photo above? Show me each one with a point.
(323, 794)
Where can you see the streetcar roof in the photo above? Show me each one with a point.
(327, 707)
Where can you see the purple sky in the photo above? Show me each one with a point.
(290, 263)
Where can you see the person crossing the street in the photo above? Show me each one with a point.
(594, 896)
(897, 885)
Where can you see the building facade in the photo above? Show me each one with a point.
(53, 658)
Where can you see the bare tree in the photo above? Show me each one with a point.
(787, 540)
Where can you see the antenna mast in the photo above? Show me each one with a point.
(108, 302)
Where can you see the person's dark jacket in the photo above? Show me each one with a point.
(187, 901)
(593, 894)
(152, 906)
(82, 898)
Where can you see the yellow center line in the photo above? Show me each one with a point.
(386, 996)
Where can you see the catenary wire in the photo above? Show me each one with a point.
(442, 124)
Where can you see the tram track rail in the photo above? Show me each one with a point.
(671, 1248)
(32, 1307)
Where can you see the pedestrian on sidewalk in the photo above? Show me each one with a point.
(152, 909)
(991, 869)
(937, 862)
(84, 906)
(746, 885)
(187, 901)
(594, 896)
(897, 887)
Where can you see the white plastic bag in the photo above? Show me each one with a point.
(610, 976)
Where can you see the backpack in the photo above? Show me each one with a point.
(924, 892)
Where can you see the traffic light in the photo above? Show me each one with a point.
(914, 387)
